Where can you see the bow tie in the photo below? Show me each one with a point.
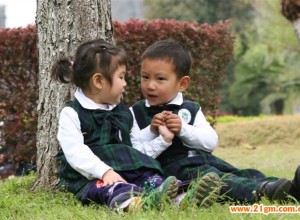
(109, 117)
(155, 109)
(111, 121)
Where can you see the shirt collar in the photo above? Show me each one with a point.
(178, 100)
(87, 103)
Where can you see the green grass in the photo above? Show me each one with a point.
(232, 118)
(274, 156)
(18, 202)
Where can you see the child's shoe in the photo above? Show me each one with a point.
(135, 204)
(277, 190)
(295, 188)
(126, 201)
(167, 191)
(203, 192)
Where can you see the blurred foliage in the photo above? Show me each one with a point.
(18, 94)
(203, 11)
(267, 74)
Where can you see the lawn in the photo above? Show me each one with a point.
(270, 144)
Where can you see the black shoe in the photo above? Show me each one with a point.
(295, 189)
(277, 190)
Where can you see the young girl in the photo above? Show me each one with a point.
(97, 161)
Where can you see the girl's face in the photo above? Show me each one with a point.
(113, 93)
(102, 92)
(159, 81)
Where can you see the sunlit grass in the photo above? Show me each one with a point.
(233, 118)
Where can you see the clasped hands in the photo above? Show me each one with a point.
(166, 124)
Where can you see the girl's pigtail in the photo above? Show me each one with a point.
(62, 70)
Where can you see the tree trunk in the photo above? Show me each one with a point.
(296, 24)
(61, 26)
(291, 10)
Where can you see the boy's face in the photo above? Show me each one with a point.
(159, 82)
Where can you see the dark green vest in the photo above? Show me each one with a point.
(175, 159)
(101, 130)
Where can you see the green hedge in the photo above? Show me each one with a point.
(18, 93)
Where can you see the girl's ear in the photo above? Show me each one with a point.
(97, 80)
(184, 83)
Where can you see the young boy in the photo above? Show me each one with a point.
(164, 76)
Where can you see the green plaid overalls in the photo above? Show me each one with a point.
(100, 129)
(186, 163)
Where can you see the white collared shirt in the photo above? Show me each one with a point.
(79, 156)
(200, 135)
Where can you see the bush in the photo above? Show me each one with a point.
(211, 48)
(19, 93)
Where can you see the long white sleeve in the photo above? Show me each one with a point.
(146, 141)
(78, 155)
(200, 135)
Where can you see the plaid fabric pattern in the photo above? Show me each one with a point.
(240, 184)
(101, 130)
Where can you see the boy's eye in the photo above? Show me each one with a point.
(145, 77)
(161, 78)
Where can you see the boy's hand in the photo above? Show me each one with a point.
(173, 122)
(157, 121)
(110, 177)
(166, 133)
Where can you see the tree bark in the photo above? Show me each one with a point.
(61, 26)
(296, 25)
(291, 11)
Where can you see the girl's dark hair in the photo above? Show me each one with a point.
(171, 51)
(91, 57)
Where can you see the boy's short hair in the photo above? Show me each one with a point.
(171, 51)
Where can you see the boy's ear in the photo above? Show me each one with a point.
(97, 80)
(184, 83)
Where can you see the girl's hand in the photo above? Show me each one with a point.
(110, 177)
(166, 133)
(173, 123)
(157, 121)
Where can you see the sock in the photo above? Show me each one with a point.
(178, 199)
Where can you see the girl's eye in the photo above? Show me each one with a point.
(122, 76)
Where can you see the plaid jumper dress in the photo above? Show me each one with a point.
(186, 163)
(101, 130)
